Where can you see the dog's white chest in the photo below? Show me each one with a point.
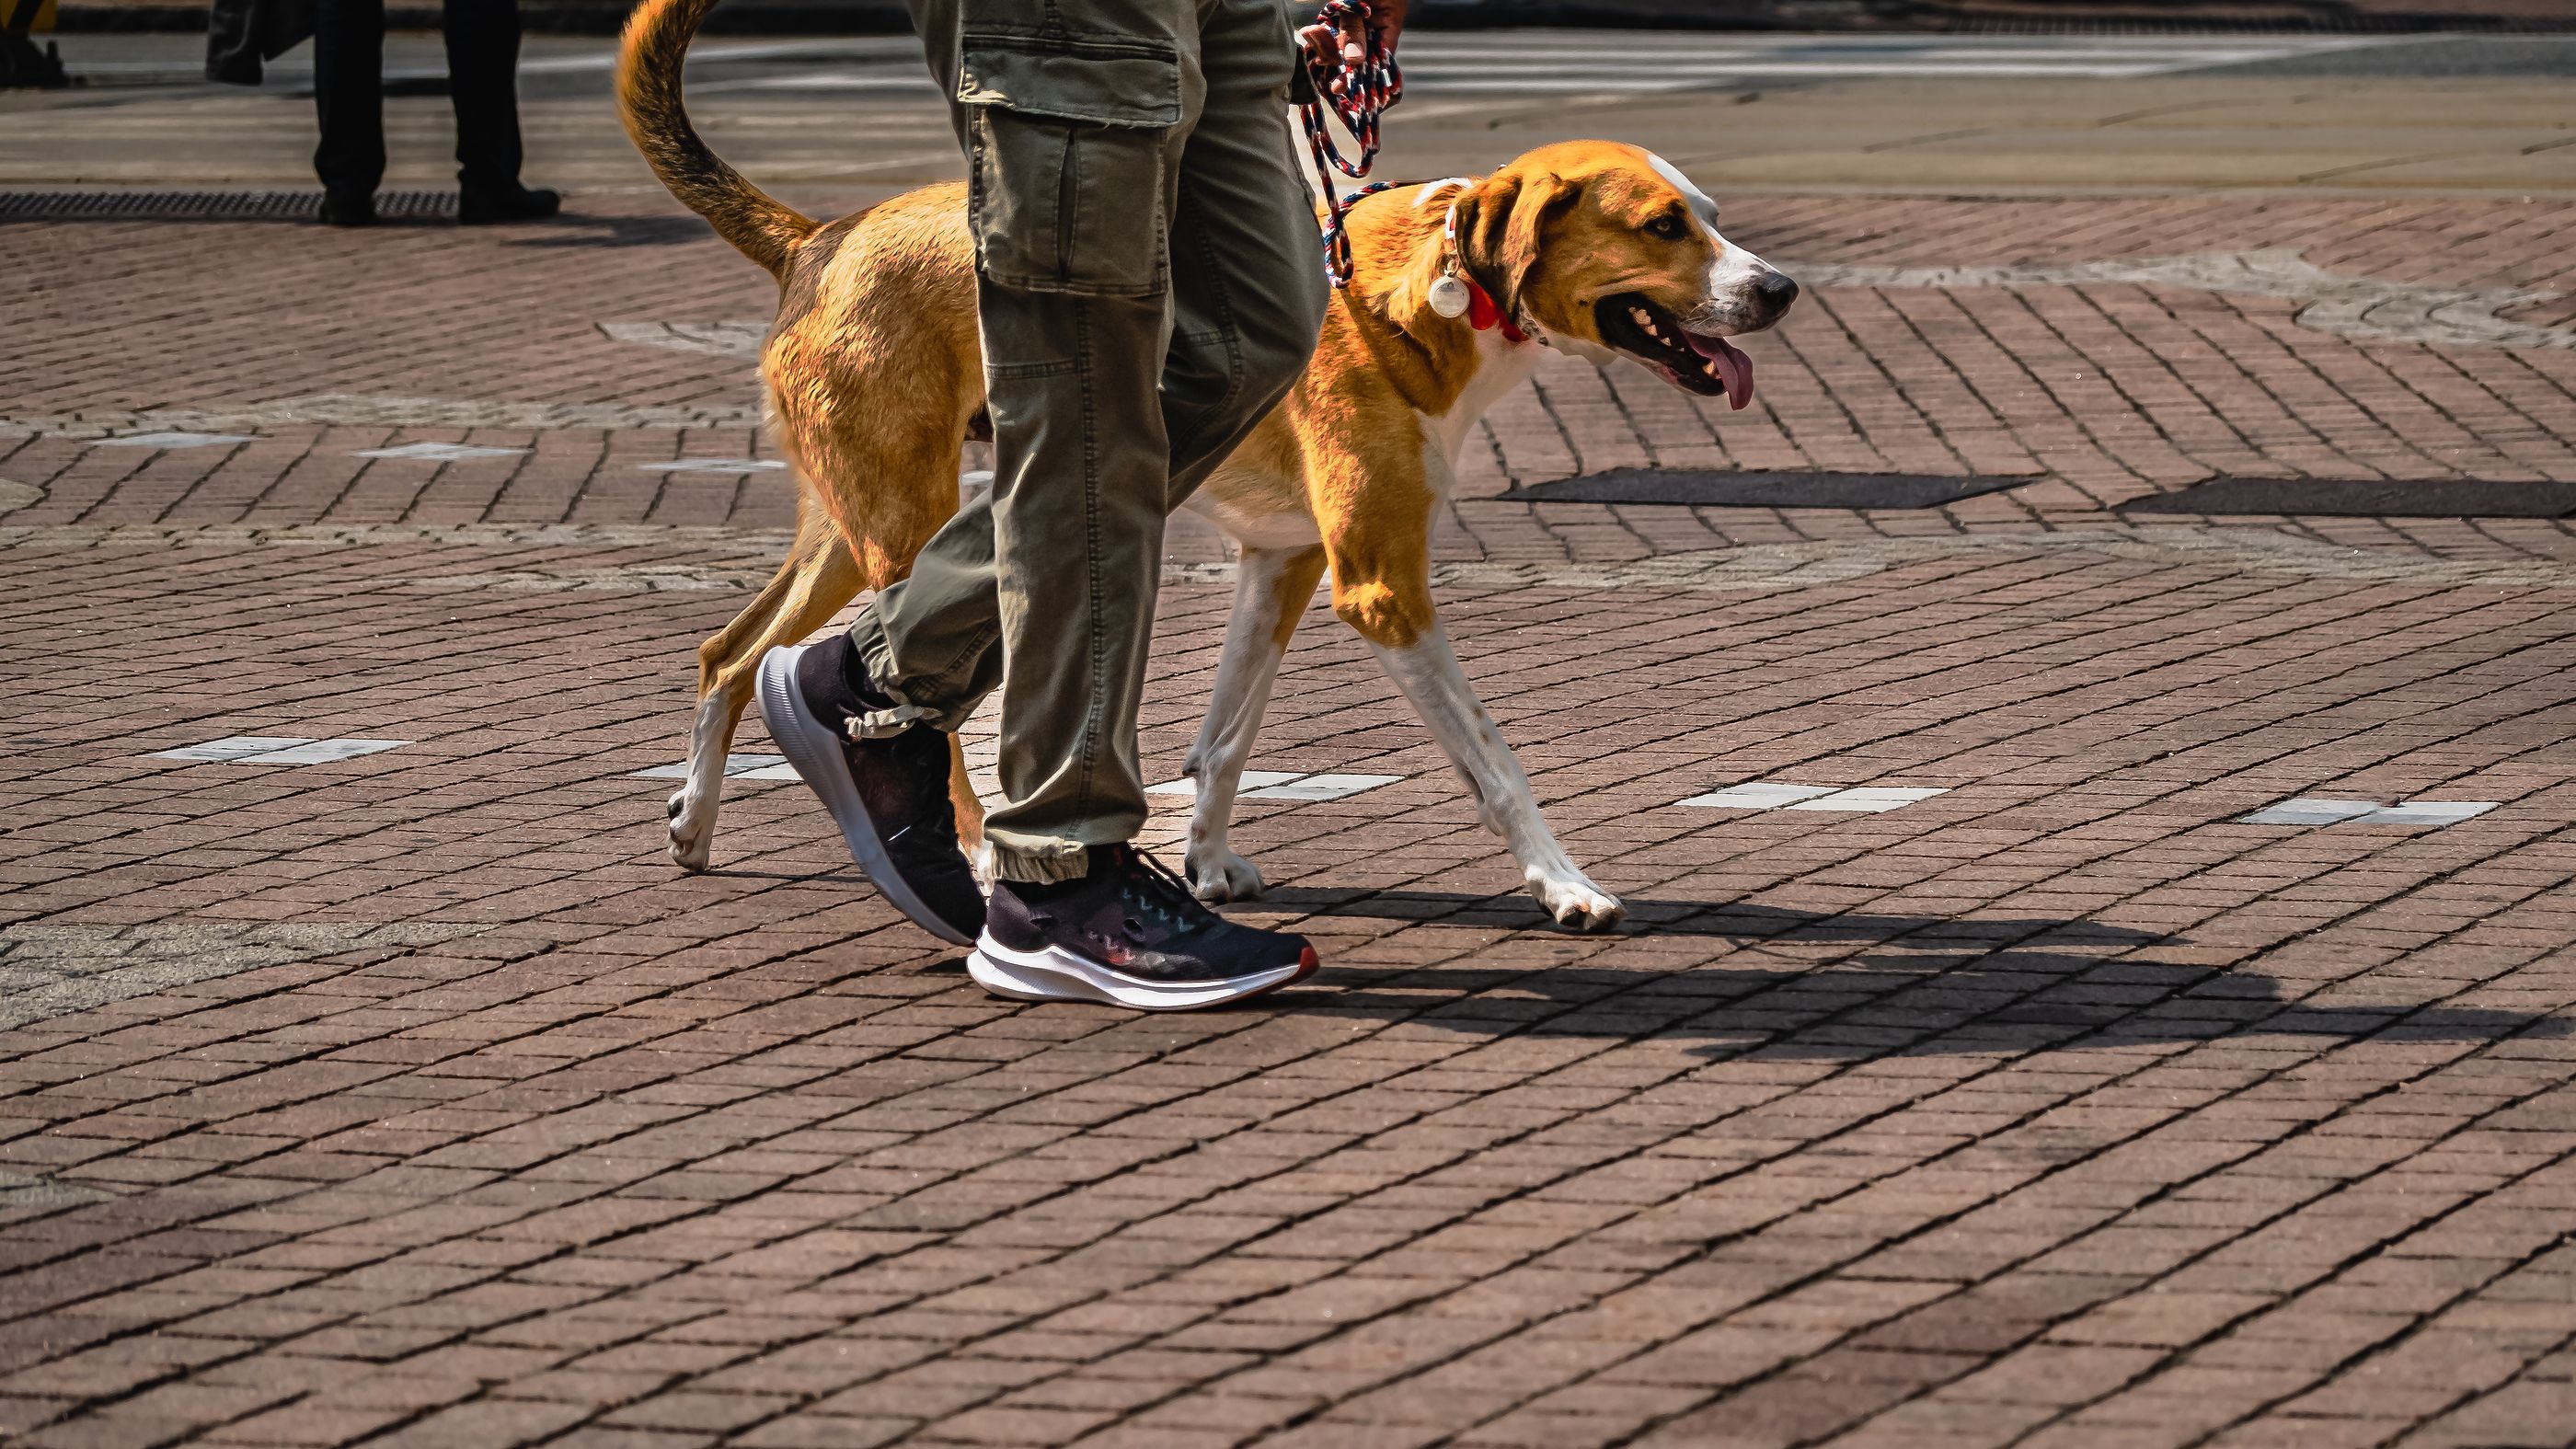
(1500, 367)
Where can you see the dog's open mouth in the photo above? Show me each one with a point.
(1692, 361)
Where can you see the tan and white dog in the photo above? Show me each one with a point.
(875, 381)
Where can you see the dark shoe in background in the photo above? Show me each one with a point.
(348, 208)
(889, 796)
(476, 207)
(1128, 933)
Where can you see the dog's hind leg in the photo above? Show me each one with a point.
(1271, 588)
(886, 474)
(1382, 588)
(817, 578)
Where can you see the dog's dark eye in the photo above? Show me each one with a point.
(1668, 226)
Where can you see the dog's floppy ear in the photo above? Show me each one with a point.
(1499, 228)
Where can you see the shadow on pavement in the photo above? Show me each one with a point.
(1690, 918)
(1911, 985)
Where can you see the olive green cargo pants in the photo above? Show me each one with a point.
(1150, 284)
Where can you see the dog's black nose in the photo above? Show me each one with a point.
(1777, 291)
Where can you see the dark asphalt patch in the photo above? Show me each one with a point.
(1718, 488)
(2368, 498)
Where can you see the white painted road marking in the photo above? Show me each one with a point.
(438, 452)
(1283, 785)
(1319, 787)
(2315, 810)
(2429, 812)
(1758, 797)
(713, 465)
(172, 440)
(1248, 780)
(277, 750)
(2311, 810)
(236, 748)
(1781, 795)
(737, 767)
(1869, 799)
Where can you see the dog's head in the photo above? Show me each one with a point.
(1613, 251)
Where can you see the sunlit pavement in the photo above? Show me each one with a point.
(2097, 975)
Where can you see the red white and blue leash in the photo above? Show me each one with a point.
(1357, 93)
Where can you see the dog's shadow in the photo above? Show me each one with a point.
(1846, 986)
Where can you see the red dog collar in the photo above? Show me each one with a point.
(1484, 316)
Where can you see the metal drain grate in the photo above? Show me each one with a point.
(1714, 488)
(206, 205)
(2368, 498)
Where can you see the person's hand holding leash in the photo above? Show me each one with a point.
(1339, 39)
(1350, 74)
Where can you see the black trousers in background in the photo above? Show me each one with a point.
(482, 82)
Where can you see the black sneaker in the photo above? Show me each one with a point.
(478, 206)
(889, 796)
(348, 208)
(1129, 933)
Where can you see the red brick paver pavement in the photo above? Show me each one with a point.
(414, 1099)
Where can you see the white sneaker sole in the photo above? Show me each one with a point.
(815, 751)
(1055, 974)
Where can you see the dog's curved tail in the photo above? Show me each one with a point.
(649, 58)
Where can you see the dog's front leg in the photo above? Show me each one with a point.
(1379, 541)
(1428, 672)
(1271, 588)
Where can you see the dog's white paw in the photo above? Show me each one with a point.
(1222, 875)
(1578, 904)
(693, 833)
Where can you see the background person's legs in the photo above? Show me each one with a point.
(483, 84)
(348, 95)
(1101, 427)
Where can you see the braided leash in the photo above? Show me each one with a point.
(1337, 242)
(1358, 94)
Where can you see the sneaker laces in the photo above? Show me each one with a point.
(1159, 891)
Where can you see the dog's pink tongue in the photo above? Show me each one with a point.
(1734, 367)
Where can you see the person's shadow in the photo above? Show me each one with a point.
(1801, 984)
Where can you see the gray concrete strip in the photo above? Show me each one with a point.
(767, 542)
(2227, 549)
(22, 1194)
(1797, 565)
(2345, 305)
(49, 969)
(353, 411)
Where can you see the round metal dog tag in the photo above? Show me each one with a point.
(1449, 297)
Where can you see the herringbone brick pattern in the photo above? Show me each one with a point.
(416, 1099)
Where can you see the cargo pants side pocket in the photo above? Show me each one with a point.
(1069, 138)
